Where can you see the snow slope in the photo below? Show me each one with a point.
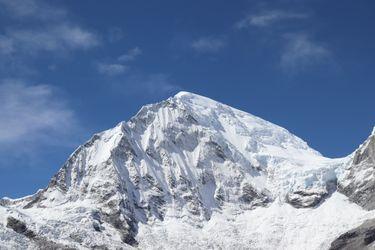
(188, 173)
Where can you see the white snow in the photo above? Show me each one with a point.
(279, 226)
(187, 151)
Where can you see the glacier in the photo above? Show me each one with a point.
(193, 173)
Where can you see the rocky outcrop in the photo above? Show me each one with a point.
(19, 227)
(305, 198)
(254, 198)
(40, 242)
(362, 237)
(358, 181)
(310, 197)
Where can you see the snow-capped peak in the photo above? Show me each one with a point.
(188, 159)
(187, 94)
(195, 99)
(182, 138)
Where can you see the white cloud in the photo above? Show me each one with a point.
(208, 44)
(301, 52)
(33, 114)
(114, 69)
(267, 18)
(77, 38)
(37, 9)
(54, 39)
(52, 32)
(111, 69)
(131, 55)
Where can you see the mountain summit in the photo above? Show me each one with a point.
(193, 173)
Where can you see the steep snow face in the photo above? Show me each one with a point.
(187, 160)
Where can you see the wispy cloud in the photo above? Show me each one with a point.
(208, 44)
(36, 9)
(111, 69)
(54, 39)
(267, 18)
(121, 65)
(131, 55)
(53, 31)
(33, 115)
(301, 52)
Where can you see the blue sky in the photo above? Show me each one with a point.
(72, 68)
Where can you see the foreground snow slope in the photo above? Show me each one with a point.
(188, 173)
(279, 226)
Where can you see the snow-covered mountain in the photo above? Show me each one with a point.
(192, 173)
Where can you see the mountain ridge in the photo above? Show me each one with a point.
(190, 163)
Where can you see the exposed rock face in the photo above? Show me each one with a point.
(39, 242)
(362, 237)
(310, 197)
(19, 227)
(253, 197)
(305, 198)
(358, 181)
